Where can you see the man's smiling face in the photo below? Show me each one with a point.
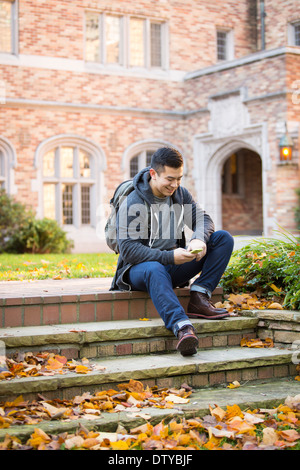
(165, 182)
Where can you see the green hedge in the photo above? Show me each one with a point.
(270, 267)
(22, 232)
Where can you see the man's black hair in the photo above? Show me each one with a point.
(166, 156)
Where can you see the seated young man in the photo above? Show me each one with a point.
(153, 254)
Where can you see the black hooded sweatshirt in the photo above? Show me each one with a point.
(138, 227)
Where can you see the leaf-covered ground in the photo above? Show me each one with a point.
(55, 266)
(268, 268)
(227, 428)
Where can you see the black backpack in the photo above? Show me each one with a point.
(122, 191)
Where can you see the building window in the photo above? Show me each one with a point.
(297, 34)
(8, 26)
(294, 33)
(224, 45)
(139, 161)
(125, 40)
(68, 185)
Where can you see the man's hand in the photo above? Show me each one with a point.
(199, 246)
(182, 256)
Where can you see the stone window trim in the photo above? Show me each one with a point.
(96, 182)
(140, 149)
(124, 59)
(14, 29)
(293, 33)
(8, 163)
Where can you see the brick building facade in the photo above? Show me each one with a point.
(89, 89)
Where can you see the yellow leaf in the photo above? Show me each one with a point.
(234, 384)
(144, 319)
(176, 399)
(81, 369)
(90, 442)
(275, 306)
(275, 288)
(233, 411)
(38, 437)
(269, 436)
(119, 445)
(218, 412)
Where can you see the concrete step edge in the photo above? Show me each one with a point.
(150, 367)
(91, 332)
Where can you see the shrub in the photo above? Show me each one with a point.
(270, 267)
(21, 232)
(12, 216)
(41, 236)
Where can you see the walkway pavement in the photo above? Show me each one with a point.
(53, 287)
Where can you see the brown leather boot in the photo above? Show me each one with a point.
(188, 341)
(200, 306)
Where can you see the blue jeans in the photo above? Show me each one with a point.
(159, 280)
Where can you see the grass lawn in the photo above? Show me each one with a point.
(56, 266)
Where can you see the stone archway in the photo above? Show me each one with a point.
(242, 212)
(210, 155)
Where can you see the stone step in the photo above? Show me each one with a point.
(125, 337)
(37, 304)
(248, 396)
(209, 367)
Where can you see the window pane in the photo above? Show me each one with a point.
(66, 162)
(92, 41)
(48, 163)
(297, 34)
(134, 166)
(148, 157)
(67, 203)
(84, 164)
(85, 205)
(112, 39)
(49, 201)
(137, 42)
(221, 45)
(5, 26)
(155, 45)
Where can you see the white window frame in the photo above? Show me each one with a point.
(229, 44)
(14, 29)
(96, 181)
(292, 33)
(124, 57)
(76, 182)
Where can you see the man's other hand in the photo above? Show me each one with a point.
(197, 244)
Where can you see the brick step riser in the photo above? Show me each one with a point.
(215, 379)
(103, 306)
(152, 345)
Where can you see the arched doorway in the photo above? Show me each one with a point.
(242, 197)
